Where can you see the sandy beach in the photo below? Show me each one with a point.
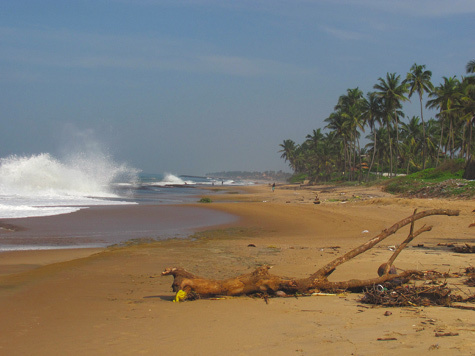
(114, 300)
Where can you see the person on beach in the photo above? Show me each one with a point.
(273, 186)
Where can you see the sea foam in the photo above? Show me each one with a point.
(41, 184)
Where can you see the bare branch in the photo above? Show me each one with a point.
(327, 269)
(261, 281)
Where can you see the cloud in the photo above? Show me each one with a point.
(426, 8)
(343, 34)
(419, 8)
(68, 49)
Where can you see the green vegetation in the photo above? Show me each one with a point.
(298, 178)
(397, 144)
(205, 200)
(443, 181)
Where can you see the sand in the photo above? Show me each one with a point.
(114, 301)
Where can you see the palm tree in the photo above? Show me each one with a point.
(412, 141)
(336, 123)
(381, 141)
(470, 68)
(349, 106)
(372, 114)
(432, 139)
(466, 106)
(315, 139)
(419, 81)
(444, 97)
(289, 150)
(468, 102)
(391, 91)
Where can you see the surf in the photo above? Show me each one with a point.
(41, 185)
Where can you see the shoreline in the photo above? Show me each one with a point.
(115, 301)
(13, 262)
(102, 226)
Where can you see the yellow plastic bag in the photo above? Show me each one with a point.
(180, 296)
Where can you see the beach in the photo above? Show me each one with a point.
(114, 300)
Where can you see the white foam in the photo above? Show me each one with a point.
(41, 185)
(25, 211)
(170, 179)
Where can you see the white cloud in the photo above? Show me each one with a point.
(343, 34)
(426, 8)
(422, 8)
(69, 49)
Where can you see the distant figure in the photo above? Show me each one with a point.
(273, 186)
(316, 201)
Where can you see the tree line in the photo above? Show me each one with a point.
(396, 143)
(279, 176)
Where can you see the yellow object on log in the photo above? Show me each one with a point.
(180, 296)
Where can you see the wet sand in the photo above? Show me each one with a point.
(114, 301)
(101, 226)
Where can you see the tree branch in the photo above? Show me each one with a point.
(327, 269)
(261, 281)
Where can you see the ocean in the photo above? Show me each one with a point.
(35, 187)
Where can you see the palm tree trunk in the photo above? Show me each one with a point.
(424, 136)
(390, 151)
(440, 141)
(355, 152)
(397, 142)
(452, 137)
(462, 147)
(469, 145)
(374, 155)
(359, 160)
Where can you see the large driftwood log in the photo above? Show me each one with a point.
(261, 281)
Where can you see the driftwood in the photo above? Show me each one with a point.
(464, 249)
(261, 281)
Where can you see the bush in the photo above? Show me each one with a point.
(298, 178)
(443, 181)
(205, 200)
(452, 169)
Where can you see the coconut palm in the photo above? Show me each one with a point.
(315, 139)
(372, 114)
(392, 92)
(412, 140)
(466, 106)
(336, 123)
(470, 68)
(383, 152)
(418, 80)
(445, 97)
(349, 106)
(432, 139)
(289, 151)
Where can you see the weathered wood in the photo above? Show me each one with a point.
(261, 281)
(328, 269)
(258, 281)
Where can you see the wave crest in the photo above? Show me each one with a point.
(79, 175)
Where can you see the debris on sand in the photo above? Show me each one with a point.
(412, 295)
(466, 248)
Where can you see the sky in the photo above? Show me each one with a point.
(200, 86)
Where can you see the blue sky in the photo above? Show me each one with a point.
(191, 87)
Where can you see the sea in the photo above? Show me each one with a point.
(42, 185)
